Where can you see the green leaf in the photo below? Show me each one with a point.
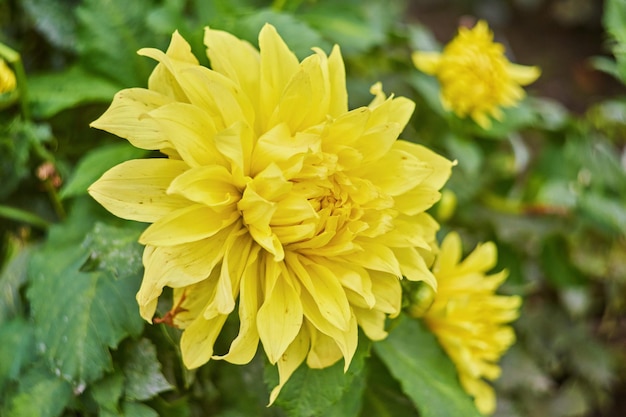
(54, 19)
(110, 34)
(608, 213)
(311, 392)
(297, 34)
(131, 409)
(428, 377)
(349, 405)
(79, 314)
(16, 350)
(383, 396)
(13, 277)
(108, 391)
(40, 394)
(142, 370)
(54, 92)
(615, 23)
(96, 163)
(555, 262)
(355, 25)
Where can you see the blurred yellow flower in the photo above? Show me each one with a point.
(469, 319)
(7, 78)
(476, 77)
(273, 198)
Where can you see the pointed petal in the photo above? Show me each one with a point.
(414, 267)
(376, 257)
(190, 131)
(291, 360)
(324, 287)
(236, 59)
(188, 224)
(278, 65)
(280, 318)
(211, 185)
(427, 62)
(244, 347)
(441, 167)
(163, 79)
(196, 343)
(339, 93)
(372, 322)
(324, 350)
(136, 189)
(124, 118)
(522, 74)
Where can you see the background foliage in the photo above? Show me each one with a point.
(547, 185)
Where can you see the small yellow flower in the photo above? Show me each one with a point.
(275, 202)
(7, 78)
(476, 77)
(469, 319)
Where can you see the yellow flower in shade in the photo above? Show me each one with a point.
(274, 203)
(7, 78)
(469, 319)
(475, 76)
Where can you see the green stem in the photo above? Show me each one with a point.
(54, 198)
(23, 216)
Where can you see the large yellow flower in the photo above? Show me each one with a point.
(7, 78)
(476, 77)
(469, 319)
(273, 199)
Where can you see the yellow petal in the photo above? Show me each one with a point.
(324, 287)
(196, 343)
(427, 62)
(346, 340)
(522, 74)
(163, 78)
(376, 257)
(237, 254)
(180, 266)
(324, 350)
(388, 292)
(188, 224)
(290, 360)
(190, 131)
(236, 144)
(414, 267)
(481, 259)
(441, 167)
(280, 318)
(417, 200)
(350, 276)
(396, 172)
(372, 322)
(236, 59)
(211, 185)
(339, 95)
(136, 189)
(278, 65)
(244, 347)
(218, 95)
(124, 118)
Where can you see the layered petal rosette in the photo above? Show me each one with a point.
(469, 319)
(274, 202)
(476, 77)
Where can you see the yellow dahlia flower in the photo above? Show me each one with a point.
(274, 200)
(468, 318)
(7, 78)
(476, 77)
